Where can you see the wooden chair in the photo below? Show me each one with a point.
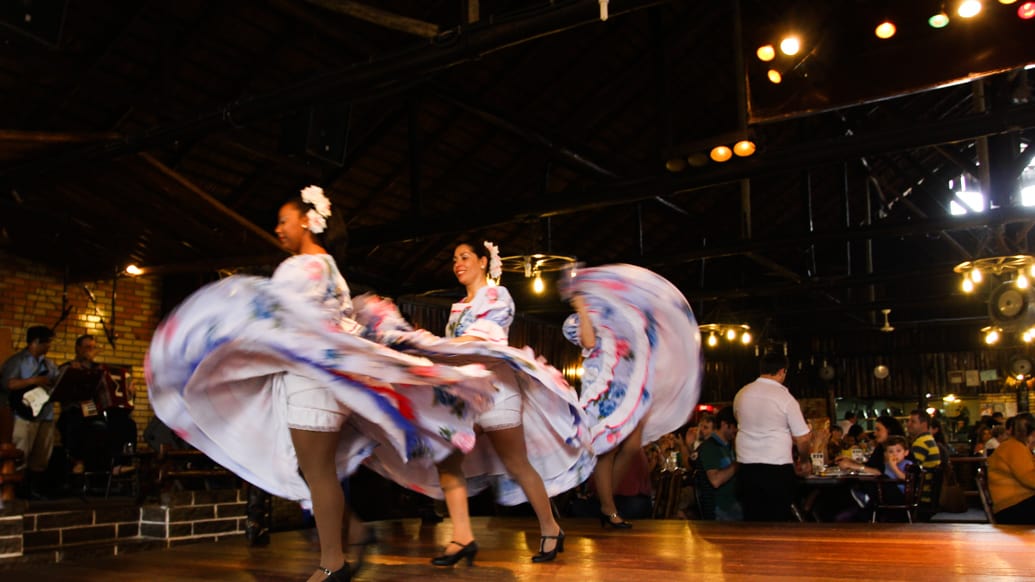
(910, 502)
(981, 480)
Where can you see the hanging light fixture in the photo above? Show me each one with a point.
(1011, 304)
(533, 266)
(731, 333)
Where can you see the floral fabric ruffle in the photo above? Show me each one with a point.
(646, 364)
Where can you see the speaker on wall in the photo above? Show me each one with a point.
(320, 131)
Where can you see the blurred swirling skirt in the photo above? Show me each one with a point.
(215, 369)
(646, 365)
(554, 426)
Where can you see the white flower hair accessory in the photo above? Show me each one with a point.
(317, 215)
(495, 264)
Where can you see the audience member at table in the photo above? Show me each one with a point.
(997, 437)
(895, 465)
(1011, 474)
(836, 444)
(984, 434)
(719, 463)
(848, 422)
(925, 452)
(837, 504)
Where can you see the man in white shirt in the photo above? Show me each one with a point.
(770, 424)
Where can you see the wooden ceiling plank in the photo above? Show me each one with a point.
(212, 202)
(380, 17)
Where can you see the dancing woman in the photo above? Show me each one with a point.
(268, 378)
(535, 414)
(642, 366)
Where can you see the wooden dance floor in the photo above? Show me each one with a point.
(654, 551)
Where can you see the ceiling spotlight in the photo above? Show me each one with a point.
(766, 53)
(1026, 11)
(744, 148)
(712, 340)
(790, 46)
(721, 153)
(774, 76)
(885, 30)
(697, 160)
(675, 165)
(969, 8)
(939, 20)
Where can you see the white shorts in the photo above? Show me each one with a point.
(310, 405)
(506, 403)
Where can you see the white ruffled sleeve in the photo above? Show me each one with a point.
(491, 313)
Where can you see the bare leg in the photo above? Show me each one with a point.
(454, 488)
(612, 466)
(604, 480)
(510, 446)
(315, 451)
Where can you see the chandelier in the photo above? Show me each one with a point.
(731, 333)
(534, 265)
(1011, 303)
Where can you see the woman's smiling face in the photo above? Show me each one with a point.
(467, 265)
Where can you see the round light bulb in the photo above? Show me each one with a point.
(537, 284)
(939, 20)
(1021, 281)
(992, 336)
(721, 153)
(774, 76)
(731, 334)
(712, 340)
(968, 285)
(790, 46)
(745, 338)
(1007, 1)
(885, 30)
(766, 53)
(744, 148)
(134, 270)
(969, 8)
(976, 275)
(675, 165)
(1026, 11)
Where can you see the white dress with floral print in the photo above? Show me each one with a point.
(646, 364)
(213, 367)
(554, 425)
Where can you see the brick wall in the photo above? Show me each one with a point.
(31, 294)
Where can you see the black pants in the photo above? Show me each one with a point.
(1021, 513)
(766, 492)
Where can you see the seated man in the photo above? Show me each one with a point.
(719, 462)
(83, 431)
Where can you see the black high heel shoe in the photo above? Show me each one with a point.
(544, 556)
(608, 520)
(469, 551)
(343, 574)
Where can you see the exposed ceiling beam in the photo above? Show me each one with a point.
(901, 137)
(211, 202)
(380, 17)
(355, 82)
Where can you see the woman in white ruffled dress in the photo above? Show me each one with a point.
(269, 379)
(534, 443)
(642, 367)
